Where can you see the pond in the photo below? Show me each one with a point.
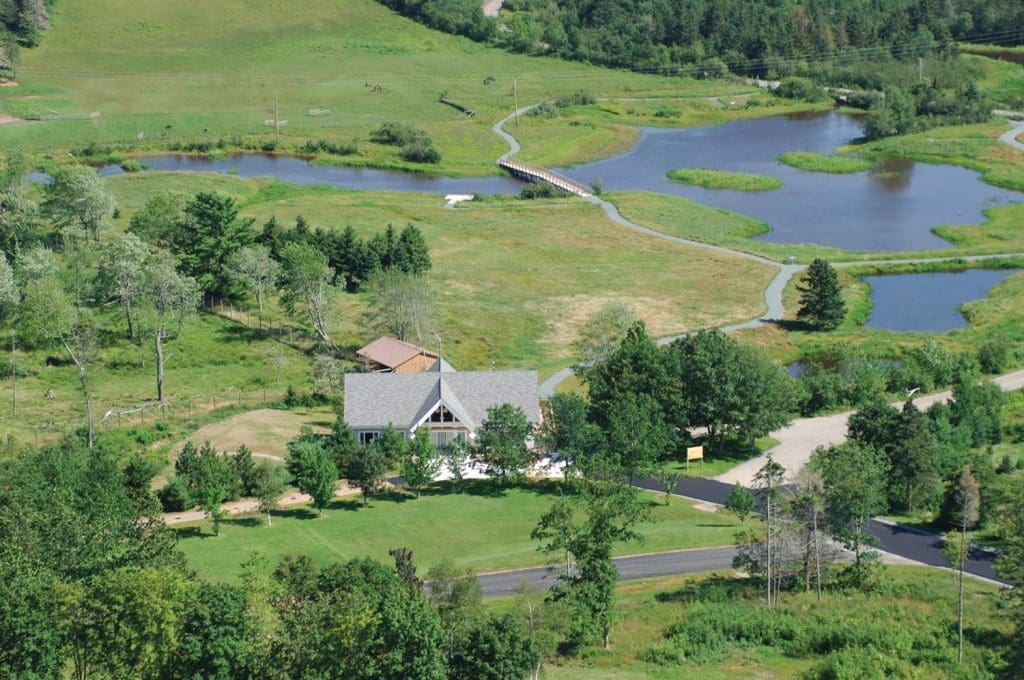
(890, 208)
(302, 171)
(928, 302)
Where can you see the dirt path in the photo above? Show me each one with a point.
(1010, 136)
(249, 505)
(6, 119)
(798, 441)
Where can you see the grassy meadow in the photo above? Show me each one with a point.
(910, 598)
(193, 71)
(484, 528)
(515, 279)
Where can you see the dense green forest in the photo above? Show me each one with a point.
(762, 37)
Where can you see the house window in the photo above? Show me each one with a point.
(367, 437)
(442, 415)
(445, 437)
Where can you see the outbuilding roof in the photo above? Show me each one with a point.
(404, 400)
(392, 352)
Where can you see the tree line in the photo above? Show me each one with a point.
(750, 36)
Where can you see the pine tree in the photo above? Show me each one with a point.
(821, 299)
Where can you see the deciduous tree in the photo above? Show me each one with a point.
(77, 201)
(401, 304)
(588, 525)
(308, 292)
(313, 470)
(501, 443)
(254, 268)
(420, 461)
(367, 470)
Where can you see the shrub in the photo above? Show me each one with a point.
(800, 88)
(578, 98)
(392, 133)
(994, 356)
(420, 151)
(544, 110)
(322, 145)
(132, 165)
(541, 190)
(175, 496)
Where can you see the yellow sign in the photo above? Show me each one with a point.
(695, 453)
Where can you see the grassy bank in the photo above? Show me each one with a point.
(484, 528)
(995, 317)
(677, 216)
(816, 162)
(721, 179)
(911, 599)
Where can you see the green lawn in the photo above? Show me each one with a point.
(721, 179)
(717, 462)
(480, 530)
(913, 598)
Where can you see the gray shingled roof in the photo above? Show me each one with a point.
(374, 400)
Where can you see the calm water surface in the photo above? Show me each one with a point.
(301, 171)
(890, 208)
(928, 302)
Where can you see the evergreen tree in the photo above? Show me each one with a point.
(412, 252)
(741, 502)
(821, 298)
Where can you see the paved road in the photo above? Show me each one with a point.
(901, 541)
(630, 568)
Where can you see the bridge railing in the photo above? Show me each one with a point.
(534, 173)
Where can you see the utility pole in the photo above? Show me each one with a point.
(277, 118)
(515, 102)
(14, 378)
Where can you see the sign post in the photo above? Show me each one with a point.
(694, 453)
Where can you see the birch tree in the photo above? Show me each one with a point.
(50, 315)
(255, 269)
(173, 298)
(967, 497)
(122, 273)
(308, 291)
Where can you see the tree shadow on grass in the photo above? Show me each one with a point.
(714, 589)
(195, 532)
(299, 513)
(243, 521)
(235, 333)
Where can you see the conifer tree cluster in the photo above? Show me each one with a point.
(821, 297)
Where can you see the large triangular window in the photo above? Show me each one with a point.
(442, 415)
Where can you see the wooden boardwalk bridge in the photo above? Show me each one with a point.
(532, 173)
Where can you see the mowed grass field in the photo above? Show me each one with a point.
(515, 279)
(192, 70)
(483, 529)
